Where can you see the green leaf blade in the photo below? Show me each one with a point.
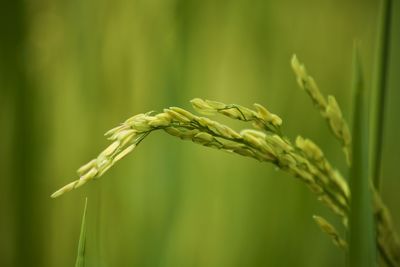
(362, 244)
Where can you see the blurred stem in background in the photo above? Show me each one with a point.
(379, 90)
(16, 86)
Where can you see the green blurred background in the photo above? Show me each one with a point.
(70, 70)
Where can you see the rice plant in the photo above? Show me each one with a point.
(265, 141)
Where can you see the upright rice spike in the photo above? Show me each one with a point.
(329, 109)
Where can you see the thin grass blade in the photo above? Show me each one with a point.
(81, 256)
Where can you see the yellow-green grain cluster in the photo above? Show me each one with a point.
(330, 230)
(264, 143)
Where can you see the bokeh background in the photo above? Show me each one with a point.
(70, 70)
